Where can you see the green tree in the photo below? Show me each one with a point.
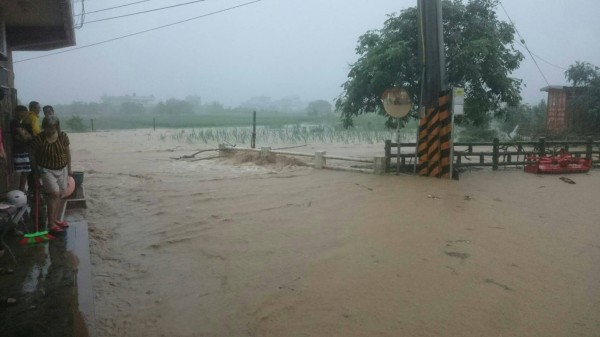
(174, 107)
(78, 108)
(581, 73)
(586, 103)
(131, 108)
(528, 120)
(319, 108)
(214, 108)
(480, 57)
(75, 123)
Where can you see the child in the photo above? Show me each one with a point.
(21, 133)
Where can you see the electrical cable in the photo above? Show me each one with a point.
(81, 16)
(138, 33)
(524, 44)
(148, 11)
(109, 8)
(542, 59)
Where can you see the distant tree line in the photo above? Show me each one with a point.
(193, 105)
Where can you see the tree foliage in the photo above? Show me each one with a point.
(79, 108)
(581, 73)
(587, 78)
(480, 57)
(75, 123)
(174, 107)
(318, 108)
(131, 108)
(529, 120)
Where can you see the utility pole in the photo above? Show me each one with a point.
(434, 141)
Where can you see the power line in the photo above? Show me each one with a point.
(138, 33)
(542, 59)
(82, 15)
(109, 8)
(524, 44)
(148, 11)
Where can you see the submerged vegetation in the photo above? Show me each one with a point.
(294, 134)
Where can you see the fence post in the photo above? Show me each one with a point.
(319, 159)
(496, 151)
(388, 155)
(542, 146)
(588, 148)
(92, 122)
(265, 151)
(253, 140)
(379, 165)
(154, 123)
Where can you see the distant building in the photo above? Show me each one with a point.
(117, 101)
(560, 116)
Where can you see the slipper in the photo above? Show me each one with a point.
(62, 224)
(55, 229)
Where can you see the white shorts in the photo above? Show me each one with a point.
(55, 181)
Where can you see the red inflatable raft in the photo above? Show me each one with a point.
(561, 163)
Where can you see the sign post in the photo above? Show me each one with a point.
(458, 109)
(397, 104)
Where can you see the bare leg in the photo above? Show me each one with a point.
(53, 202)
(57, 207)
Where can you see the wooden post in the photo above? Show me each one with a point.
(542, 146)
(253, 140)
(398, 156)
(388, 154)
(379, 165)
(588, 148)
(496, 151)
(320, 159)
(265, 151)
(154, 123)
(92, 122)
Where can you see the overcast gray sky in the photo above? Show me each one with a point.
(270, 48)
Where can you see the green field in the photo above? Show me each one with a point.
(271, 128)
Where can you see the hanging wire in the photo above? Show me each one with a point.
(140, 32)
(81, 16)
(524, 44)
(146, 11)
(115, 7)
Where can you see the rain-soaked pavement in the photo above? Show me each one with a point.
(49, 291)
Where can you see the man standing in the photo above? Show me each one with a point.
(33, 117)
(48, 110)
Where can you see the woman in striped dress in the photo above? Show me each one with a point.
(53, 157)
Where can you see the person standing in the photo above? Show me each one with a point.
(21, 134)
(53, 157)
(33, 117)
(48, 110)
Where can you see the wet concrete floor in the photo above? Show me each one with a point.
(50, 286)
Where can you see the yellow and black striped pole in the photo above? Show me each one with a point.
(434, 147)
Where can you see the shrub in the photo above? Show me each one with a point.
(75, 123)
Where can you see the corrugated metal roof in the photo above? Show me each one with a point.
(553, 87)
